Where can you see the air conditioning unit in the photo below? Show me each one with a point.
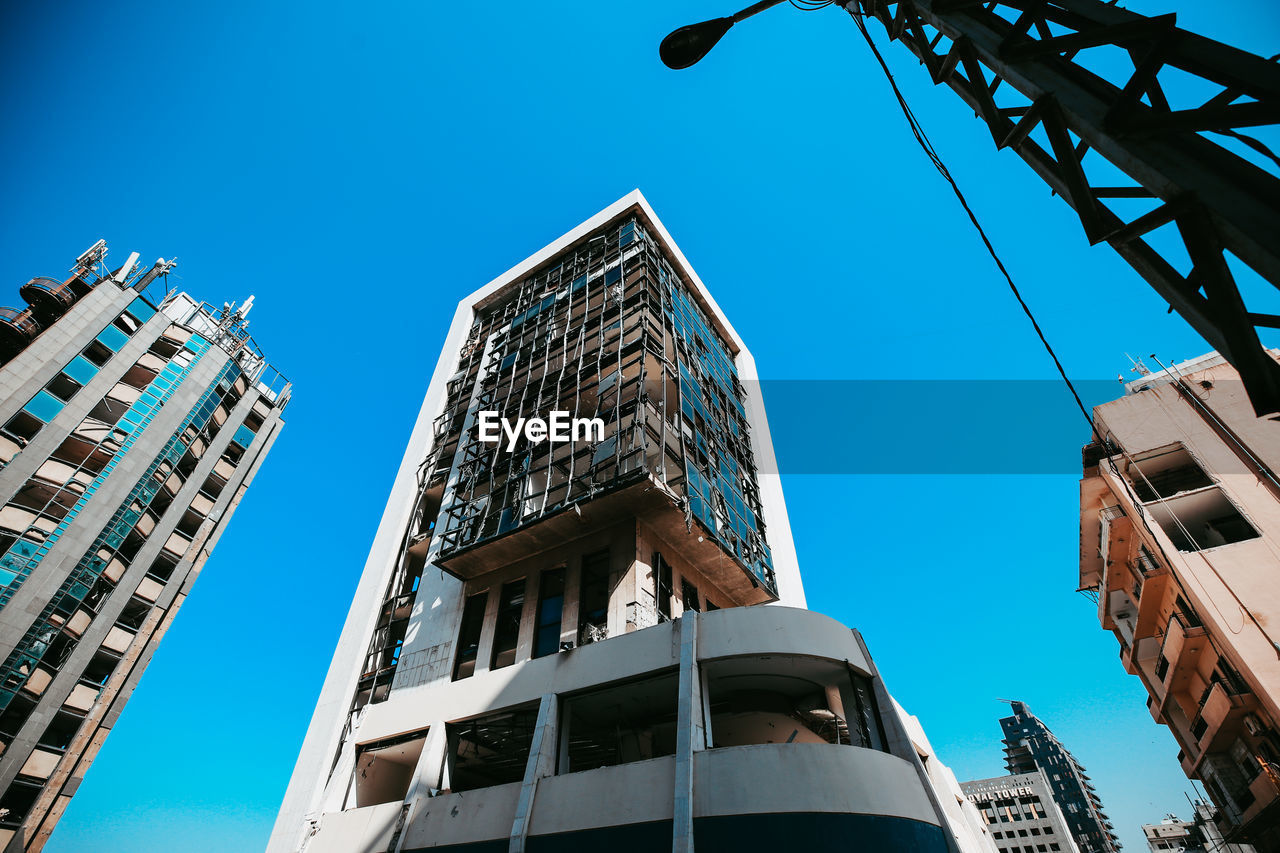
(1253, 724)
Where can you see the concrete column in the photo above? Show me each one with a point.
(484, 653)
(835, 703)
(542, 762)
(572, 588)
(691, 733)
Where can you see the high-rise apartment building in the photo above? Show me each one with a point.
(1028, 746)
(1021, 813)
(553, 645)
(129, 432)
(1179, 536)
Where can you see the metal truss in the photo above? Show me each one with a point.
(1218, 201)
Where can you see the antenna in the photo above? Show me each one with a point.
(1138, 367)
(159, 268)
(91, 256)
(123, 272)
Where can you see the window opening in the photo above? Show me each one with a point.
(633, 721)
(384, 769)
(490, 750)
(689, 595)
(469, 635)
(546, 638)
(593, 598)
(506, 632)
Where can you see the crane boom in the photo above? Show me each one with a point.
(1024, 52)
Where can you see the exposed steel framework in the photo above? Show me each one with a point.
(1016, 63)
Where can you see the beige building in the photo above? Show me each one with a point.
(1180, 547)
(1199, 835)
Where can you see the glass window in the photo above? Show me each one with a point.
(507, 630)
(97, 353)
(44, 406)
(662, 580)
(864, 717)
(112, 338)
(127, 323)
(140, 309)
(469, 635)
(490, 750)
(593, 598)
(689, 593)
(23, 426)
(618, 724)
(243, 436)
(546, 640)
(81, 370)
(63, 386)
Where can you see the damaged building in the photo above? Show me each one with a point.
(1179, 519)
(129, 432)
(600, 641)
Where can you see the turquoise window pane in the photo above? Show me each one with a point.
(44, 406)
(6, 577)
(244, 436)
(112, 338)
(81, 369)
(140, 309)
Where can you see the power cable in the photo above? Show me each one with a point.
(917, 130)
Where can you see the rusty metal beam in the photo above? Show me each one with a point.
(1220, 201)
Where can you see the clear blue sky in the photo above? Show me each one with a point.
(361, 167)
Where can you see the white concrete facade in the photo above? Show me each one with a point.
(704, 775)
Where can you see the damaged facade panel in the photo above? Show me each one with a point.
(608, 330)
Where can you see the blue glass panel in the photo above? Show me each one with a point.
(81, 369)
(244, 436)
(44, 406)
(140, 309)
(112, 338)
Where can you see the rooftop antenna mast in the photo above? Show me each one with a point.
(1138, 367)
(94, 256)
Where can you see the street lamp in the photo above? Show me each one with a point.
(687, 45)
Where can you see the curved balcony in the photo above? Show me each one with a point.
(49, 298)
(17, 329)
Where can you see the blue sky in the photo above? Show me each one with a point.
(361, 167)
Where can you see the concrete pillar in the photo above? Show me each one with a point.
(691, 733)
(835, 703)
(542, 762)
